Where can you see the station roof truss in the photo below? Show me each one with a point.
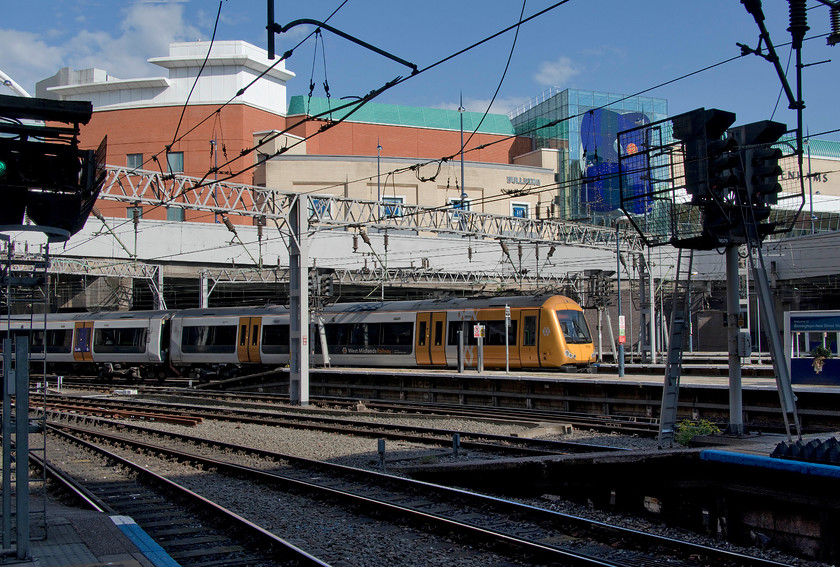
(62, 265)
(397, 277)
(273, 206)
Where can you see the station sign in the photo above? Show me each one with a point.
(622, 337)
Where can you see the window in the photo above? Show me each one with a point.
(396, 334)
(209, 339)
(120, 340)
(519, 210)
(574, 327)
(494, 332)
(529, 331)
(134, 161)
(174, 214)
(134, 213)
(438, 334)
(392, 206)
(175, 162)
(421, 334)
(276, 339)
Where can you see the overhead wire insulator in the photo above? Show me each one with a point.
(798, 22)
(504, 247)
(365, 236)
(469, 253)
(834, 37)
(229, 225)
(355, 243)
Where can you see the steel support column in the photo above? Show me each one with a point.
(298, 304)
(736, 410)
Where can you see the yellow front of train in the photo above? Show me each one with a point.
(565, 340)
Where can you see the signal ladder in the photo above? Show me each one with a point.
(680, 313)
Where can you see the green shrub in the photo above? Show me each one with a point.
(688, 430)
(821, 352)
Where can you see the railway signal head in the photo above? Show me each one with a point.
(706, 155)
(761, 164)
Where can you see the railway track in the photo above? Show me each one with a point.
(523, 534)
(189, 414)
(191, 529)
(630, 425)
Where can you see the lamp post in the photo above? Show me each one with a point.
(215, 178)
(621, 328)
(378, 189)
(461, 110)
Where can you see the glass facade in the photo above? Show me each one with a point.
(584, 126)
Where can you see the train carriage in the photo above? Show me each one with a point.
(110, 340)
(544, 332)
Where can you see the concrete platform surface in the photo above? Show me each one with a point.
(84, 538)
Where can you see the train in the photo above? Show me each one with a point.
(543, 332)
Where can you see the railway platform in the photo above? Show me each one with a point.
(85, 538)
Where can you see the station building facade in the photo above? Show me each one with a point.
(150, 127)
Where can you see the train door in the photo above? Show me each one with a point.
(248, 347)
(422, 339)
(82, 341)
(437, 344)
(529, 322)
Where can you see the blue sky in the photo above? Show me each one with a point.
(613, 46)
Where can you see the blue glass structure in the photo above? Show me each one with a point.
(584, 127)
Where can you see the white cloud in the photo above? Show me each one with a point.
(27, 58)
(500, 105)
(145, 31)
(556, 73)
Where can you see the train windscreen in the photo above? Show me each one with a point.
(574, 327)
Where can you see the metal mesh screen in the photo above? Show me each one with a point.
(656, 200)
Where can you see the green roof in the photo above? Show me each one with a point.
(823, 148)
(818, 148)
(377, 113)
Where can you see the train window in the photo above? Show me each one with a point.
(365, 334)
(59, 340)
(255, 335)
(209, 339)
(495, 333)
(36, 341)
(243, 334)
(438, 333)
(573, 325)
(275, 339)
(529, 331)
(396, 334)
(421, 334)
(337, 335)
(466, 327)
(120, 340)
